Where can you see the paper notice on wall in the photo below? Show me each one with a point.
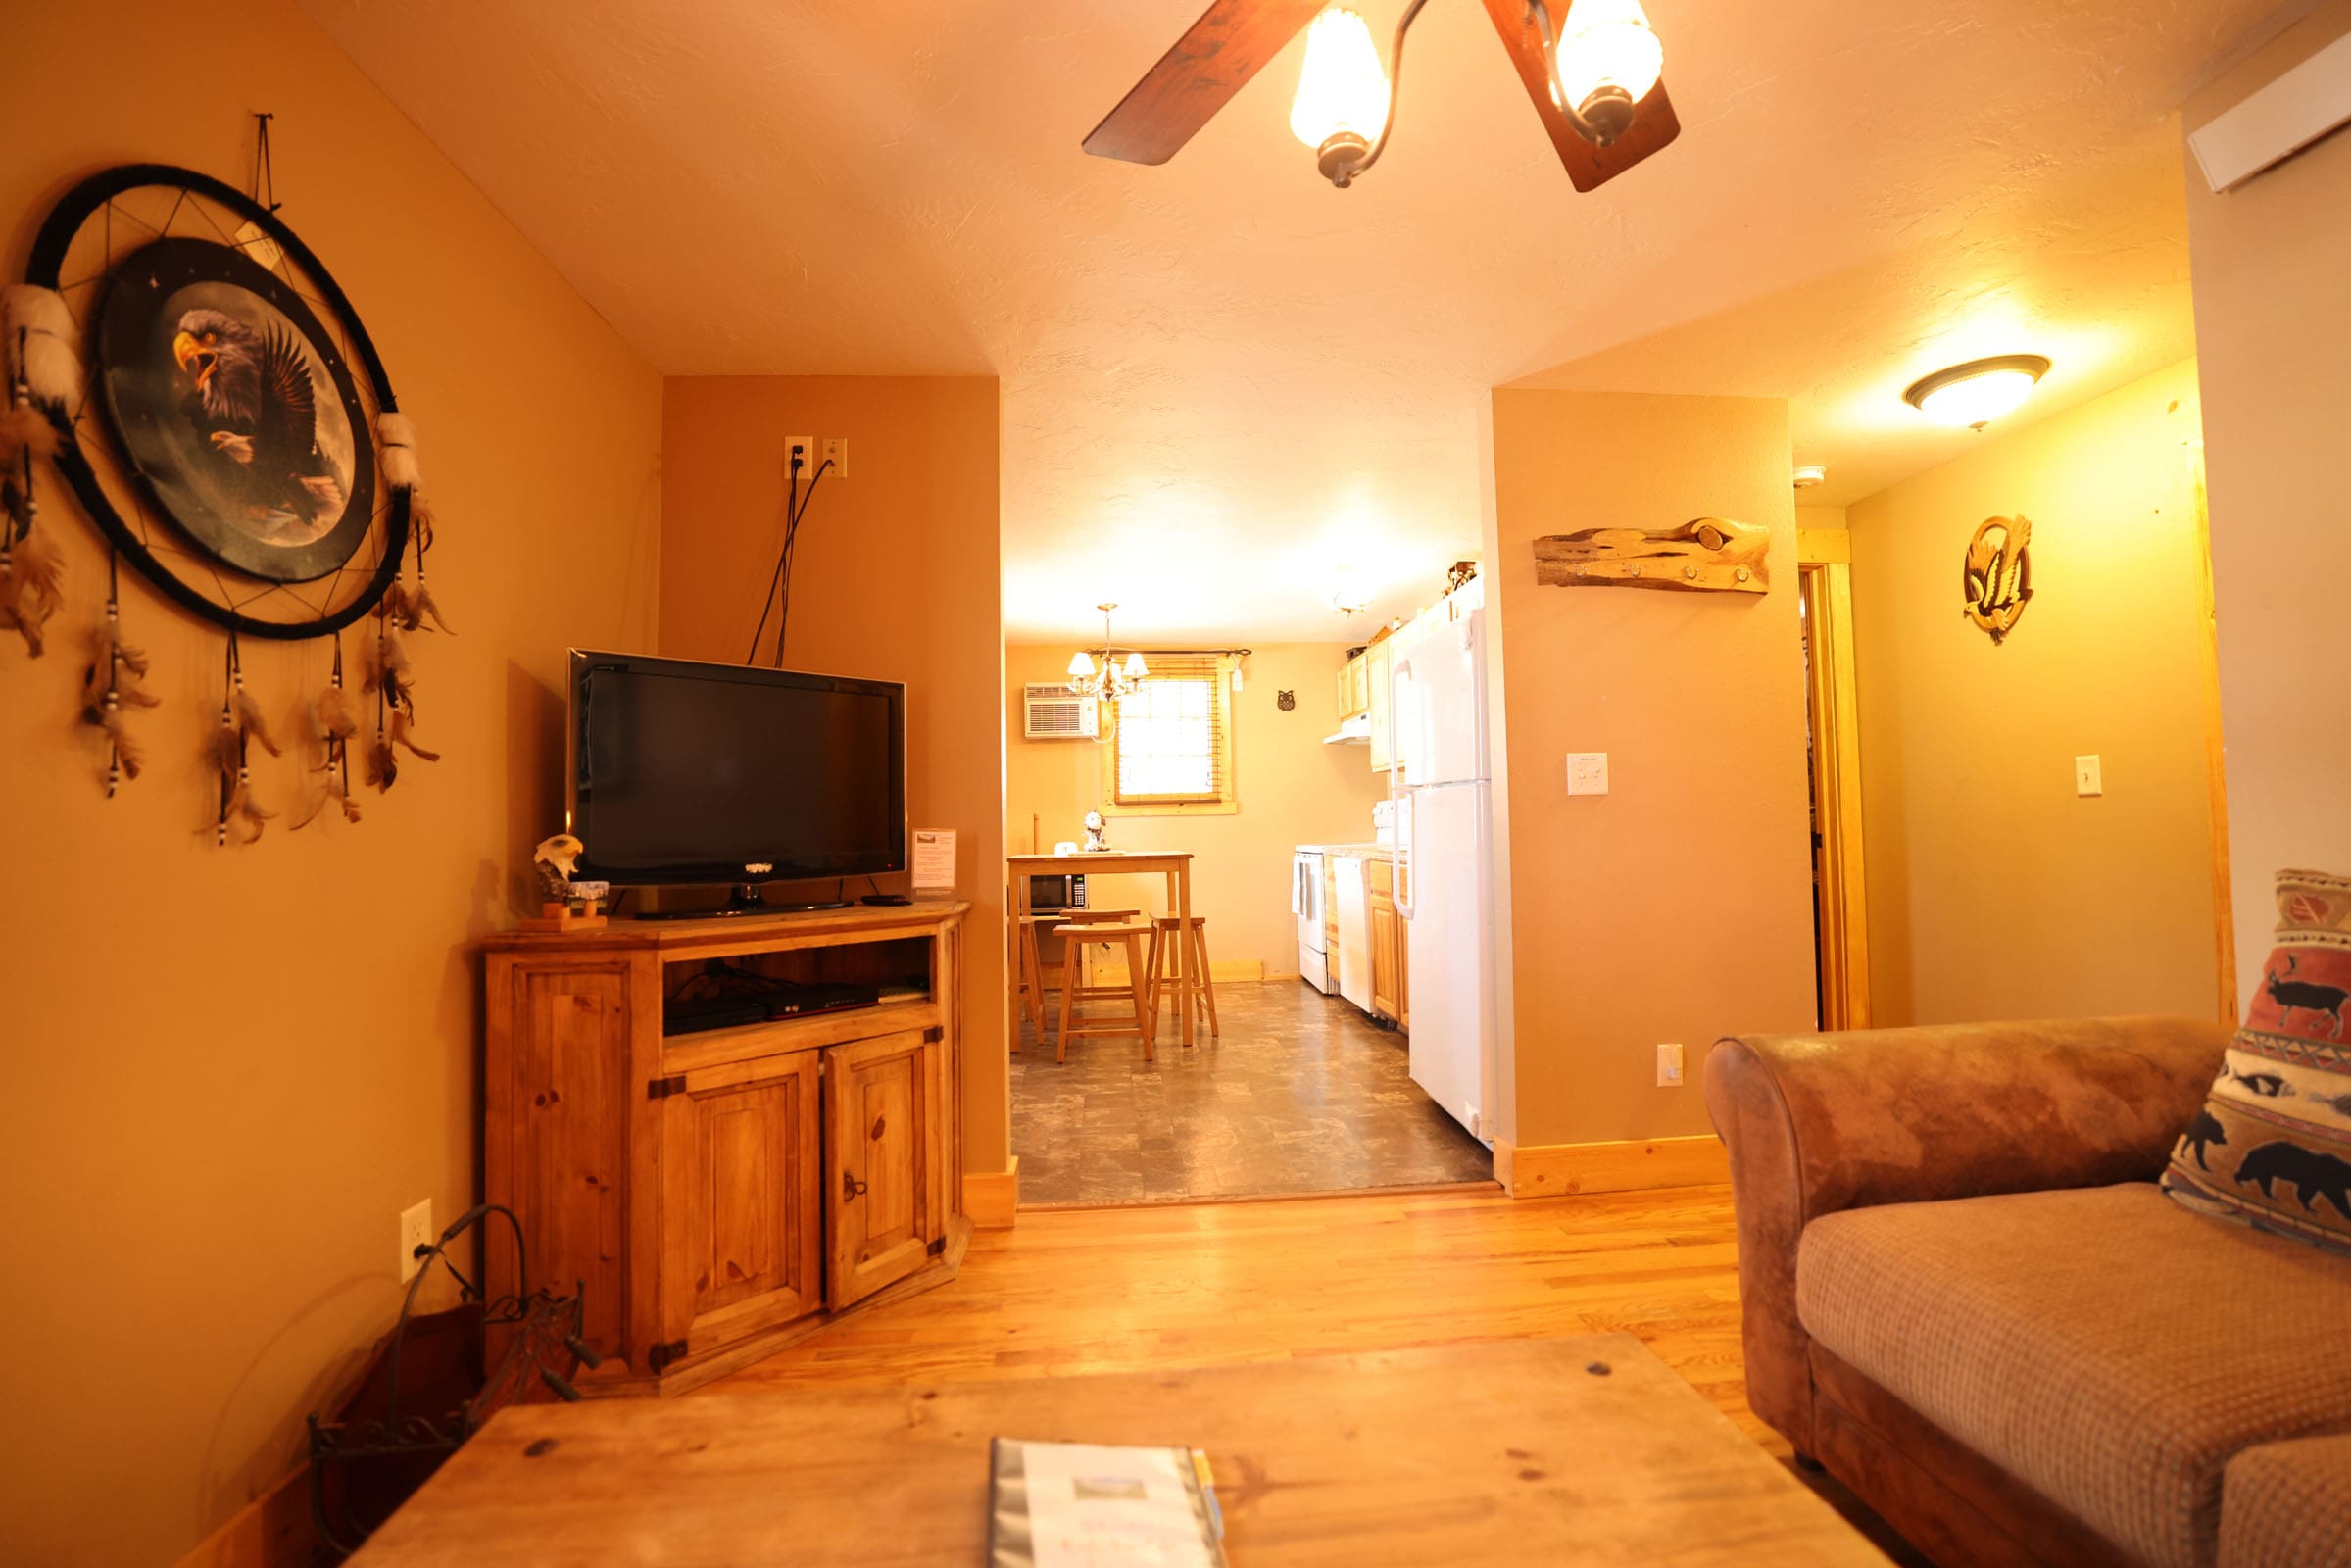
(934, 860)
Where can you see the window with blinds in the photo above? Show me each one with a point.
(1171, 748)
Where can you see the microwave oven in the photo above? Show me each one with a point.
(1056, 892)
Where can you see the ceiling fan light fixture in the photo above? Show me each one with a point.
(1978, 392)
(1342, 90)
(1605, 60)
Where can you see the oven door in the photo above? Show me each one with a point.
(1305, 899)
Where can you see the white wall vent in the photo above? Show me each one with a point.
(2279, 121)
(1056, 713)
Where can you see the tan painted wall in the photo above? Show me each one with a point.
(1678, 907)
(896, 577)
(1994, 891)
(2272, 317)
(1293, 790)
(231, 1070)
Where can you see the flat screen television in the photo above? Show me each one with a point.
(689, 772)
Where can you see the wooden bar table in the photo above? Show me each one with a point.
(1584, 1451)
(1175, 865)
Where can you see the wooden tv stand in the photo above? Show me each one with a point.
(720, 1194)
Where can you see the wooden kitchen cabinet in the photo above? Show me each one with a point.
(887, 1176)
(742, 1200)
(1388, 966)
(1376, 666)
(1355, 688)
(716, 1194)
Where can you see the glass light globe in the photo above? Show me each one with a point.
(1978, 400)
(1606, 43)
(1344, 87)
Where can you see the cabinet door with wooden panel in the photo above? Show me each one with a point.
(1376, 666)
(742, 1208)
(885, 1160)
(557, 1151)
(1387, 942)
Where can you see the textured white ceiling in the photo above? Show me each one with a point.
(1224, 380)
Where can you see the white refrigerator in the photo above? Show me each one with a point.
(1443, 866)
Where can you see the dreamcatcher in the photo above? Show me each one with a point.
(208, 394)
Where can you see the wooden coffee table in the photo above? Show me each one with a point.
(1517, 1451)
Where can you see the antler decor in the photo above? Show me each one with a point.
(1707, 553)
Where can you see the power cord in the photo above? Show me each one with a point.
(795, 507)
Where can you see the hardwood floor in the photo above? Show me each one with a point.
(1300, 1094)
(1110, 1290)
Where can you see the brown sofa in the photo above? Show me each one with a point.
(1965, 1297)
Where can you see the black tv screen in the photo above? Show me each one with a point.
(691, 772)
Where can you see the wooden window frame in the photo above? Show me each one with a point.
(1225, 803)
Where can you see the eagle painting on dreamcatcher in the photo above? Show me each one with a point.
(207, 393)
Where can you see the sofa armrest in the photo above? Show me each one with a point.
(1818, 1123)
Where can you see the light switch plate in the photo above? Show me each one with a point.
(2088, 777)
(1588, 772)
(1669, 1066)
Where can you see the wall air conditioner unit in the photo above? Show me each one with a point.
(2280, 119)
(1056, 713)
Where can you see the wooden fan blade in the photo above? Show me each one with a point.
(1215, 58)
(1589, 166)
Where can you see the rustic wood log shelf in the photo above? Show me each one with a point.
(1709, 555)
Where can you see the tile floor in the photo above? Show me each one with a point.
(1302, 1093)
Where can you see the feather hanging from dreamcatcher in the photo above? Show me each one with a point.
(337, 722)
(404, 609)
(31, 571)
(240, 811)
(110, 687)
(43, 345)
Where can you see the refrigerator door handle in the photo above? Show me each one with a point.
(1402, 892)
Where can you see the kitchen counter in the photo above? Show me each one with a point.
(1351, 851)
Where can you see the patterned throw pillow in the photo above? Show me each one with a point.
(2272, 1146)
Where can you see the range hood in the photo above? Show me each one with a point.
(1355, 731)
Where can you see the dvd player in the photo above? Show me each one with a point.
(776, 998)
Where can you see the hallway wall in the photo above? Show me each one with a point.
(1994, 891)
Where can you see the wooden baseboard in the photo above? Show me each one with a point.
(992, 1198)
(273, 1531)
(1548, 1171)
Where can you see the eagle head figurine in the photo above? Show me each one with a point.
(555, 857)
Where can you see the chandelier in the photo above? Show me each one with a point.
(1114, 678)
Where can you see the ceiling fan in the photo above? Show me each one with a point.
(1591, 72)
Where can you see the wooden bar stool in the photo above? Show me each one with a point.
(1162, 969)
(1073, 1022)
(1034, 982)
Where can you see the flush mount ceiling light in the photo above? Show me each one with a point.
(1810, 476)
(1978, 392)
(1591, 72)
(1114, 677)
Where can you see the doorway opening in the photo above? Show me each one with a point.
(1832, 724)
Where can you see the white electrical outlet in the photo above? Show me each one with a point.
(836, 452)
(1669, 1066)
(2090, 778)
(416, 1230)
(1588, 772)
(806, 446)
